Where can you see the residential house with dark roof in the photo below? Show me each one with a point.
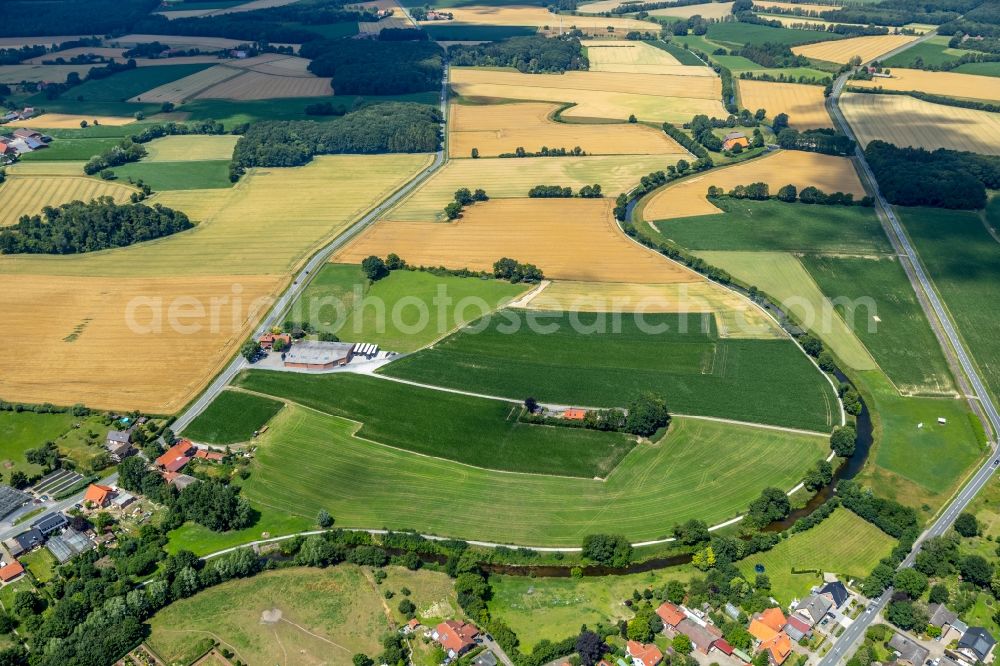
(118, 444)
(455, 637)
(27, 541)
(643, 655)
(814, 608)
(909, 652)
(977, 644)
(836, 592)
(940, 616)
(50, 522)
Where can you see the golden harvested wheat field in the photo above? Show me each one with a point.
(774, 4)
(501, 128)
(951, 84)
(688, 197)
(842, 50)
(236, 252)
(512, 178)
(804, 104)
(569, 239)
(602, 6)
(191, 148)
(735, 316)
(83, 350)
(23, 72)
(28, 195)
(710, 10)
(600, 95)
(540, 17)
(637, 58)
(68, 121)
(39, 168)
(907, 121)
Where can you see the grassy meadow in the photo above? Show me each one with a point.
(734, 33)
(473, 431)
(22, 431)
(327, 615)
(843, 544)
(773, 225)
(964, 263)
(309, 461)
(198, 175)
(401, 312)
(934, 51)
(233, 417)
(679, 357)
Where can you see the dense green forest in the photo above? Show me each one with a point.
(289, 23)
(30, 18)
(87, 227)
(942, 178)
(402, 66)
(397, 127)
(526, 54)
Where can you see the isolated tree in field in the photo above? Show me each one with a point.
(463, 196)
(407, 608)
(374, 268)
(394, 262)
(590, 646)
(911, 582)
(632, 119)
(692, 532)
(480, 195)
(674, 591)
(788, 193)
(475, 153)
(531, 405)
(976, 570)
(682, 644)
(967, 525)
(453, 210)
(646, 414)
(843, 441)
(323, 519)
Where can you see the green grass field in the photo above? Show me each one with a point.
(41, 563)
(773, 225)
(195, 175)
(309, 461)
(472, 31)
(552, 608)
(473, 431)
(684, 56)
(698, 42)
(679, 357)
(964, 262)
(327, 615)
(735, 33)
(935, 456)
(22, 431)
(875, 298)
(107, 96)
(843, 544)
(71, 150)
(980, 68)
(233, 417)
(739, 64)
(934, 51)
(782, 277)
(402, 312)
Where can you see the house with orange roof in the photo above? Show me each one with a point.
(778, 648)
(670, 614)
(11, 571)
(643, 655)
(772, 617)
(761, 631)
(98, 495)
(205, 454)
(455, 637)
(176, 456)
(574, 414)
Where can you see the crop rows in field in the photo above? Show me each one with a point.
(950, 84)
(802, 169)
(907, 121)
(501, 128)
(309, 461)
(841, 51)
(804, 104)
(28, 195)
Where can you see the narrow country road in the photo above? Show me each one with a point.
(306, 274)
(977, 394)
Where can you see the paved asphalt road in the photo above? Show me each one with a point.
(940, 319)
(309, 270)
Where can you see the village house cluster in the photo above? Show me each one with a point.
(22, 140)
